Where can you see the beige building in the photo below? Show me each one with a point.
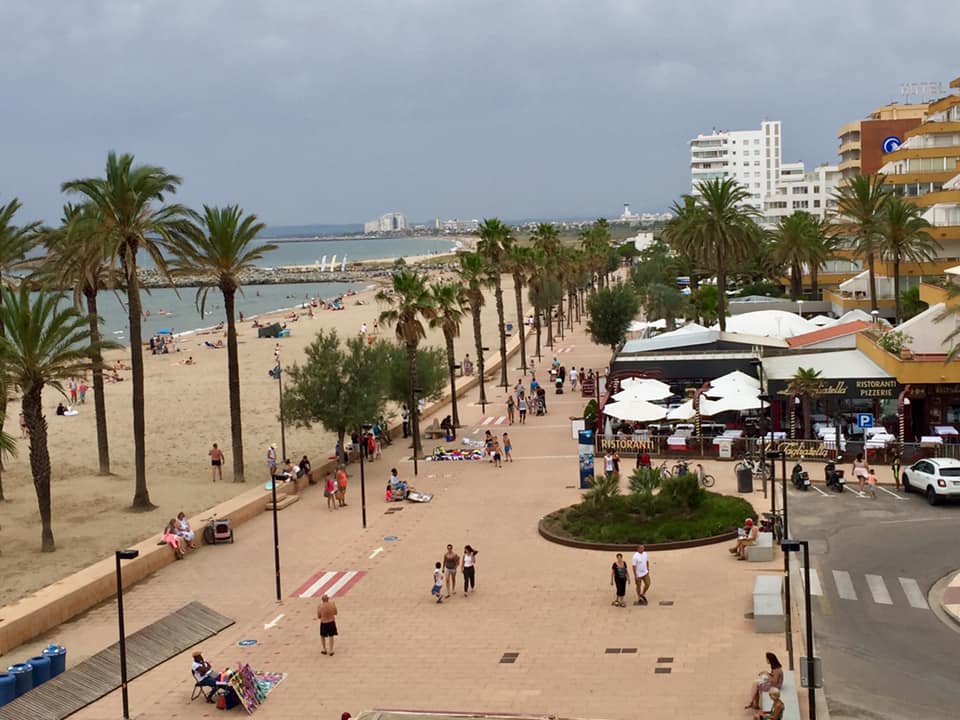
(863, 143)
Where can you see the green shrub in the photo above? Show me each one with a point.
(683, 492)
(590, 411)
(602, 489)
(645, 480)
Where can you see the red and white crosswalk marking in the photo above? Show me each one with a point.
(564, 350)
(494, 420)
(334, 583)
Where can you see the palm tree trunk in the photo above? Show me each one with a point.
(806, 417)
(795, 281)
(99, 401)
(518, 295)
(39, 461)
(141, 497)
(414, 405)
(536, 319)
(815, 280)
(233, 385)
(550, 326)
(478, 344)
(721, 292)
(871, 266)
(451, 361)
(498, 292)
(896, 287)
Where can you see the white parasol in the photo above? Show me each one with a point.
(635, 410)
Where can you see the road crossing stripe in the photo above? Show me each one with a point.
(879, 590)
(844, 585)
(338, 585)
(914, 595)
(487, 420)
(333, 583)
(815, 588)
(316, 585)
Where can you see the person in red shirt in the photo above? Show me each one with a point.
(341, 487)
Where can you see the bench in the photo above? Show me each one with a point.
(788, 693)
(283, 502)
(768, 604)
(762, 549)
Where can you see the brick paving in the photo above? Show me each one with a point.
(548, 604)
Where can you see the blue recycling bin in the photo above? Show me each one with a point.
(58, 659)
(41, 669)
(8, 689)
(23, 677)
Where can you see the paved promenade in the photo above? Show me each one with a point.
(951, 598)
(398, 649)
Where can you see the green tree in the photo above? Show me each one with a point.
(432, 373)
(910, 302)
(664, 302)
(718, 233)
(495, 243)
(806, 384)
(339, 386)
(474, 276)
(794, 240)
(610, 312)
(407, 306)
(42, 344)
(543, 294)
(451, 304)
(76, 258)
(546, 240)
(823, 248)
(217, 248)
(704, 302)
(904, 238)
(861, 204)
(129, 216)
(15, 242)
(518, 262)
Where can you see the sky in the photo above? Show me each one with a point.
(335, 111)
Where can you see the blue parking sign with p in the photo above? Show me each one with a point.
(864, 420)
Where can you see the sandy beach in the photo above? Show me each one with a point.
(187, 410)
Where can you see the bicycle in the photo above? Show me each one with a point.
(664, 471)
(774, 523)
(705, 480)
(680, 469)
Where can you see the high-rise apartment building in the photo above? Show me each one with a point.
(801, 190)
(751, 157)
(387, 223)
(864, 143)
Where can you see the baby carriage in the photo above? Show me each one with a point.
(540, 405)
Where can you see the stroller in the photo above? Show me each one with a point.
(540, 402)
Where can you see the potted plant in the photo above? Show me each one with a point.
(590, 412)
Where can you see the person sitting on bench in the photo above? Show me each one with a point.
(204, 676)
(747, 538)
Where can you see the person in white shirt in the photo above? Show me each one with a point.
(608, 464)
(203, 674)
(573, 378)
(641, 573)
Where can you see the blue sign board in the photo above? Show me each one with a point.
(864, 420)
(891, 143)
(585, 457)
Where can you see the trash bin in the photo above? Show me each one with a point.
(41, 669)
(58, 659)
(744, 480)
(23, 676)
(8, 690)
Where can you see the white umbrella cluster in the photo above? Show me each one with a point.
(735, 391)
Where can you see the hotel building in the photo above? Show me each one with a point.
(864, 143)
(751, 157)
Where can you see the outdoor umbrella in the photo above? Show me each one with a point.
(732, 388)
(738, 378)
(635, 410)
(735, 401)
(645, 390)
(684, 411)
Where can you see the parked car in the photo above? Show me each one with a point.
(937, 478)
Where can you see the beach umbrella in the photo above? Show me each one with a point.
(736, 377)
(635, 410)
(164, 331)
(733, 402)
(644, 391)
(684, 411)
(732, 389)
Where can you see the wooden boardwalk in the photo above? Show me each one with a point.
(93, 678)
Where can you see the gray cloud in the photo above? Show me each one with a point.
(339, 110)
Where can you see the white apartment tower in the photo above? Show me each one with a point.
(751, 157)
(798, 189)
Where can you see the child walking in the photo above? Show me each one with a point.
(437, 582)
(872, 484)
(507, 447)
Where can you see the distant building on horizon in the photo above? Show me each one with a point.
(388, 223)
(455, 225)
(646, 218)
(751, 157)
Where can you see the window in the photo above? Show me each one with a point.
(756, 163)
(756, 141)
(816, 188)
(816, 203)
(803, 204)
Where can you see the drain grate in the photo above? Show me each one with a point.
(666, 603)
(664, 659)
(612, 651)
(628, 651)
(661, 671)
(509, 658)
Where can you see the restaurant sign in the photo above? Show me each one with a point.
(880, 388)
(804, 449)
(626, 444)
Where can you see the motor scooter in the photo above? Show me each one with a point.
(800, 477)
(834, 477)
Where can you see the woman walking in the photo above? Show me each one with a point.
(861, 469)
(522, 407)
(619, 573)
(330, 492)
(469, 568)
(451, 563)
(511, 407)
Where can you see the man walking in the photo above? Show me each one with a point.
(327, 614)
(272, 460)
(641, 574)
(405, 417)
(216, 462)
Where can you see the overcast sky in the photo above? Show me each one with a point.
(338, 110)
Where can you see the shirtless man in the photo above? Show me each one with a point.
(216, 462)
(327, 615)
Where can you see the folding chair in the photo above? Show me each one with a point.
(207, 691)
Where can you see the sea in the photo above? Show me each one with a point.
(176, 310)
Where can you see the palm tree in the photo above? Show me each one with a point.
(219, 247)
(823, 247)
(806, 384)
(42, 344)
(494, 246)
(794, 239)
(450, 301)
(518, 262)
(75, 257)
(861, 204)
(904, 237)
(15, 242)
(474, 275)
(128, 220)
(407, 304)
(546, 240)
(719, 232)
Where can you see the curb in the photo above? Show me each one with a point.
(614, 547)
(950, 602)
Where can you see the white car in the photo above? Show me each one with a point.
(937, 478)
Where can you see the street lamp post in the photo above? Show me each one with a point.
(363, 486)
(789, 546)
(416, 409)
(123, 555)
(483, 391)
(277, 374)
(788, 624)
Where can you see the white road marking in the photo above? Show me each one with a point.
(821, 491)
(914, 595)
(844, 585)
(376, 552)
(879, 590)
(856, 492)
(321, 581)
(815, 588)
(335, 588)
(890, 492)
(273, 623)
(487, 420)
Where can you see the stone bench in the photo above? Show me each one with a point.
(788, 694)
(762, 549)
(283, 502)
(768, 604)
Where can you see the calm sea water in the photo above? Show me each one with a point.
(180, 313)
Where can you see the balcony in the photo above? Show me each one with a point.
(909, 368)
(842, 301)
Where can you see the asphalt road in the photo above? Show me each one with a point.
(886, 654)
